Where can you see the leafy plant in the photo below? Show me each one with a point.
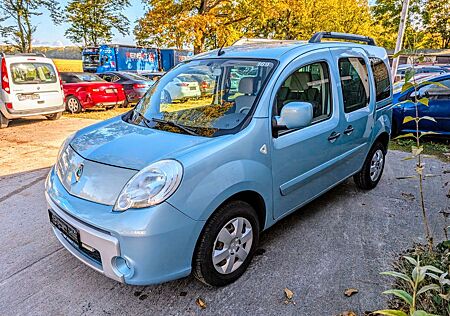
(415, 283)
(417, 148)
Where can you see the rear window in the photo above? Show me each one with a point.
(134, 76)
(30, 73)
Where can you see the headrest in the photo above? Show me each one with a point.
(299, 81)
(246, 85)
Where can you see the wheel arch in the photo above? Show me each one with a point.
(383, 138)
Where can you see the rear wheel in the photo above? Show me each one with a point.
(73, 105)
(373, 167)
(227, 244)
(54, 116)
(3, 121)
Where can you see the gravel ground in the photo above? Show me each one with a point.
(342, 240)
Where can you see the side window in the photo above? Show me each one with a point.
(354, 82)
(381, 78)
(311, 84)
(434, 92)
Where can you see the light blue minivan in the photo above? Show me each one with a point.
(174, 187)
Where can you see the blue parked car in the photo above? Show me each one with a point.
(438, 107)
(172, 187)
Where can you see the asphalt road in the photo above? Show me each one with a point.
(342, 240)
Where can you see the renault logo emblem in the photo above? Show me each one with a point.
(79, 172)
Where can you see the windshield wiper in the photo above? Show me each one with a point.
(144, 119)
(174, 124)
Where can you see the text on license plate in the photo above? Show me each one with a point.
(30, 96)
(65, 228)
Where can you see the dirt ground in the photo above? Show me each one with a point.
(33, 143)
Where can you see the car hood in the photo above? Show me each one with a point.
(117, 143)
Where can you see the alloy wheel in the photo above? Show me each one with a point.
(232, 245)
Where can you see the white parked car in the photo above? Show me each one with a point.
(30, 85)
(182, 87)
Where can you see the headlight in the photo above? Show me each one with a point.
(150, 186)
(64, 145)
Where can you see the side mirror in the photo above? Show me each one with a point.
(295, 115)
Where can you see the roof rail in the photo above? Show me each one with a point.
(317, 37)
(244, 41)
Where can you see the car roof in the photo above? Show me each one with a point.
(27, 58)
(278, 50)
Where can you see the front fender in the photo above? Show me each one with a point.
(202, 192)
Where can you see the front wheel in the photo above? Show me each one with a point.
(227, 244)
(373, 167)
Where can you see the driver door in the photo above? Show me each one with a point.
(305, 161)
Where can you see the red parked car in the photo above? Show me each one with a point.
(85, 90)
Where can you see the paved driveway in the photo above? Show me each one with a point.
(341, 240)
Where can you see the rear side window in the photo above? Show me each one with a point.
(30, 73)
(381, 78)
(354, 83)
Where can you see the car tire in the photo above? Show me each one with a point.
(220, 233)
(373, 167)
(54, 116)
(4, 122)
(125, 104)
(73, 105)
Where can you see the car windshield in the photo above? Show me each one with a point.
(87, 77)
(217, 104)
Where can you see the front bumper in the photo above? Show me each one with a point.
(156, 243)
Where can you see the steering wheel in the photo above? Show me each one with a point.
(246, 108)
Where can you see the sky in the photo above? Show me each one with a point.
(48, 34)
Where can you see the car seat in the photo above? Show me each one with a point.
(246, 86)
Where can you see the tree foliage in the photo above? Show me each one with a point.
(213, 23)
(16, 26)
(437, 20)
(428, 23)
(92, 21)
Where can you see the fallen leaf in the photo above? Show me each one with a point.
(408, 196)
(200, 302)
(349, 292)
(348, 313)
(288, 293)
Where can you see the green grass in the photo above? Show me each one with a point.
(436, 147)
(97, 114)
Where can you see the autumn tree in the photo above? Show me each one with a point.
(17, 27)
(204, 23)
(436, 17)
(92, 21)
(213, 23)
(293, 19)
(387, 15)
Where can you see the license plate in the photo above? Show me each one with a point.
(65, 228)
(33, 96)
(111, 90)
(192, 88)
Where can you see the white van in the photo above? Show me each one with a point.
(30, 85)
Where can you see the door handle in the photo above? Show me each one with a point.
(348, 130)
(332, 138)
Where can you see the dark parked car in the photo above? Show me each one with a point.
(438, 107)
(135, 86)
